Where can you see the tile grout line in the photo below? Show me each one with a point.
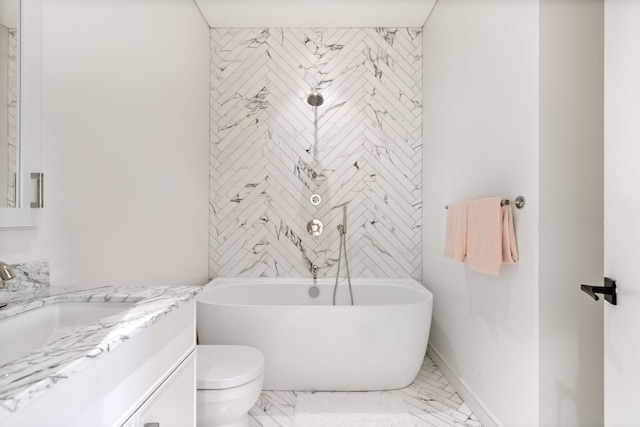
(427, 407)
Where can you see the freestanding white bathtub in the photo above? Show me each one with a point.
(377, 344)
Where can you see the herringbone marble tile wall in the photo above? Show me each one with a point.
(12, 116)
(270, 151)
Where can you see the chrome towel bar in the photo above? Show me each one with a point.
(519, 202)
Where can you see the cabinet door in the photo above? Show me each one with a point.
(132, 422)
(174, 403)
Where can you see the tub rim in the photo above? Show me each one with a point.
(407, 283)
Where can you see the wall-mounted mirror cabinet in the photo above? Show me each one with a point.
(21, 183)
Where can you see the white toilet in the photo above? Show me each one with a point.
(229, 381)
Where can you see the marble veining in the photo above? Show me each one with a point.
(29, 275)
(270, 150)
(29, 377)
(12, 116)
(431, 400)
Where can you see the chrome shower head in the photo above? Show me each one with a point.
(315, 99)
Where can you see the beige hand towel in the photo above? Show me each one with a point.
(490, 236)
(455, 242)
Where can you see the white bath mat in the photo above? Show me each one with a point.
(350, 410)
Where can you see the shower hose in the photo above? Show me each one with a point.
(342, 229)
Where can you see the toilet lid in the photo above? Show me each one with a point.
(226, 366)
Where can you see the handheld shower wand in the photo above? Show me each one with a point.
(342, 229)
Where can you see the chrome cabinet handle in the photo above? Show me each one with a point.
(151, 425)
(39, 177)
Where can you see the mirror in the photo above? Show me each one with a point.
(21, 184)
(9, 101)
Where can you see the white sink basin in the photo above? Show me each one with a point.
(28, 331)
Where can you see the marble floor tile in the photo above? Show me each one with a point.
(430, 399)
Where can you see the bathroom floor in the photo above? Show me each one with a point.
(430, 399)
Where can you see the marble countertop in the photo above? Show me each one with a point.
(29, 377)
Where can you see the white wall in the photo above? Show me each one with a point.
(481, 139)
(125, 145)
(513, 105)
(315, 13)
(571, 212)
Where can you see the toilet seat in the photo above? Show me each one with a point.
(221, 367)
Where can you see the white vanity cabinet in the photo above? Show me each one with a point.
(172, 404)
(149, 378)
(169, 375)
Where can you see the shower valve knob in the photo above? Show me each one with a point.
(315, 227)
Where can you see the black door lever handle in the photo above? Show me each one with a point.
(608, 290)
(593, 290)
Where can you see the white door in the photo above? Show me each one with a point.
(622, 211)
